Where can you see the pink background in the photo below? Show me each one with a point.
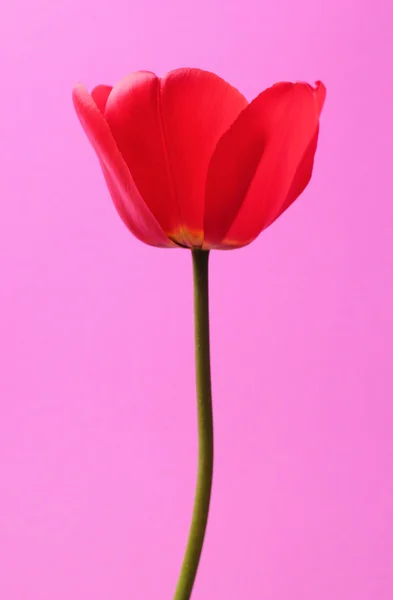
(97, 427)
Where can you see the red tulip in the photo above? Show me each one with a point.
(189, 162)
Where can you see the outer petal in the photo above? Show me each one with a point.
(303, 173)
(100, 96)
(256, 162)
(167, 130)
(125, 194)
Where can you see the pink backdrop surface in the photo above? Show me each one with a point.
(97, 412)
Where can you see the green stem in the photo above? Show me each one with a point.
(200, 259)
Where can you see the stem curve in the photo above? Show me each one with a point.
(200, 260)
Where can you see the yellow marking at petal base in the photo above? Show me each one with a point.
(226, 244)
(232, 244)
(187, 237)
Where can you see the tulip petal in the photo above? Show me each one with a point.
(303, 173)
(167, 130)
(257, 160)
(126, 197)
(299, 183)
(100, 96)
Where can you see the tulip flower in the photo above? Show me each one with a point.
(190, 163)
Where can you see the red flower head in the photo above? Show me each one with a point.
(189, 162)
